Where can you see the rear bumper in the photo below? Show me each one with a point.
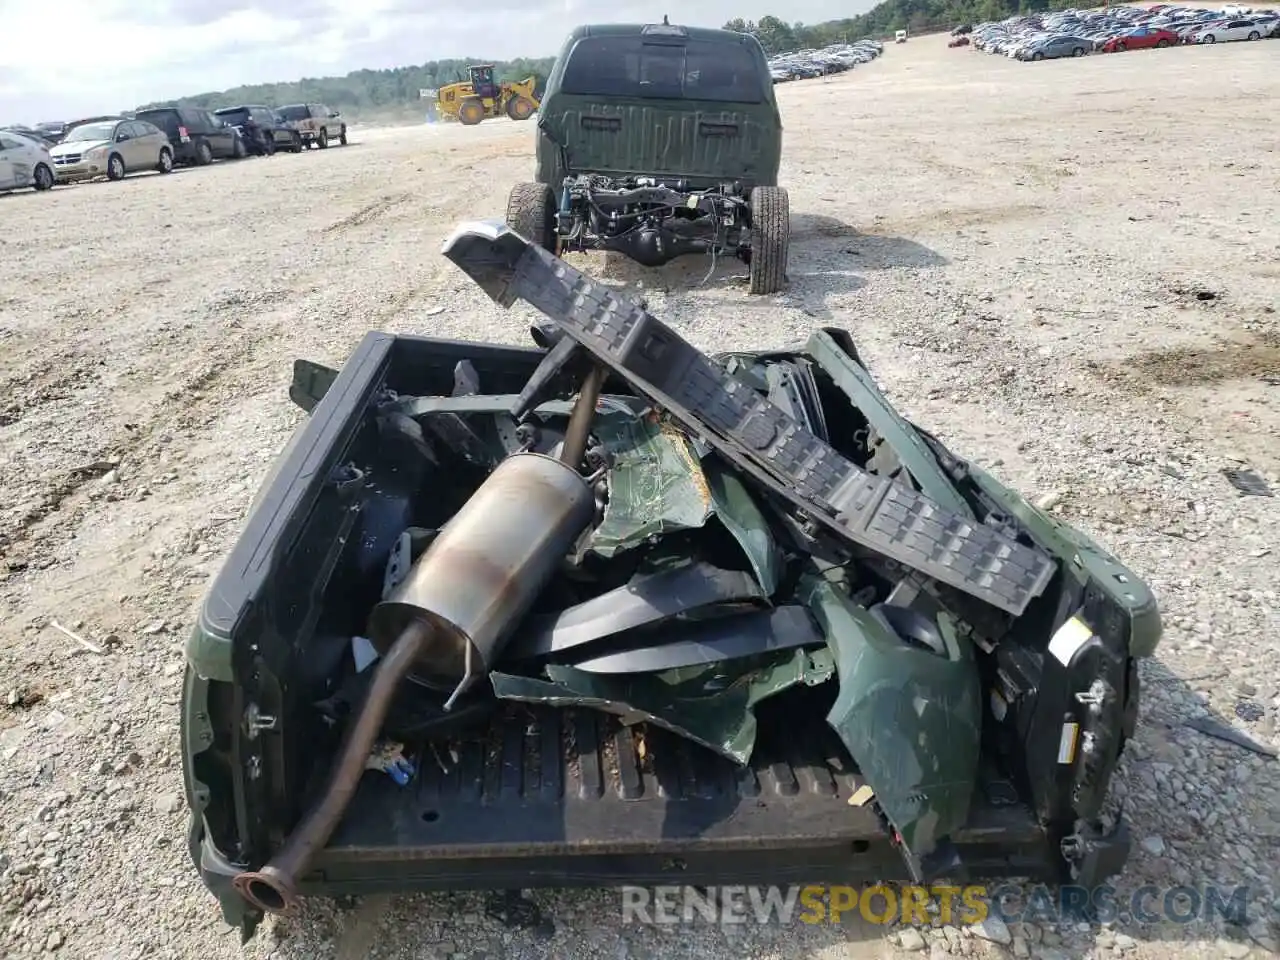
(184, 152)
(1001, 845)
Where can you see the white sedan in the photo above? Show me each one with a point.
(24, 163)
(1230, 30)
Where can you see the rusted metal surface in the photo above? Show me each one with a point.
(485, 568)
(584, 411)
(274, 887)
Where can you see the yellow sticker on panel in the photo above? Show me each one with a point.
(1067, 743)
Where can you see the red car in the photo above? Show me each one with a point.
(959, 42)
(1141, 38)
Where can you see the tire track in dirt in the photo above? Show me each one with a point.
(22, 534)
(368, 213)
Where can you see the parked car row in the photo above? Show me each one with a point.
(1075, 33)
(836, 58)
(160, 139)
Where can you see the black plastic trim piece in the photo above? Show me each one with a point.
(747, 429)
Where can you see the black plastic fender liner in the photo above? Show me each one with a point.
(643, 601)
(709, 641)
(750, 432)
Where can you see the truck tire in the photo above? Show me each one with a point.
(770, 238)
(470, 111)
(519, 108)
(531, 212)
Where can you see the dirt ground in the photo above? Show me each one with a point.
(1069, 270)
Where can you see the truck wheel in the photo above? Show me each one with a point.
(519, 108)
(204, 155)
(531, 211)
(322, 141)
(770, 238)
(470, 112)
(342, 137)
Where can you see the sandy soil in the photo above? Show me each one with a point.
(1068, 269)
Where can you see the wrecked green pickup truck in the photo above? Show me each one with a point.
(607, 610)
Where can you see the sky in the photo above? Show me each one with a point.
(85, 57)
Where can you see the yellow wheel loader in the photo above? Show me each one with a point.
(482, 98)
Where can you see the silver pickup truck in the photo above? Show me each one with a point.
(317, 124)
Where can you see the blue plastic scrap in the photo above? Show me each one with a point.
(388, 757)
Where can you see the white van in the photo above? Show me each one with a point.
(900, 36)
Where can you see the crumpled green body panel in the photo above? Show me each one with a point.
(655, 484)
(735, 508)
(861, 389)
(910, 718)
(711, 706)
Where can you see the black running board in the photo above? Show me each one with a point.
(755, 435)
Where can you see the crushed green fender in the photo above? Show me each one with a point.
(711, 706)
(659, 484)
(910, 718)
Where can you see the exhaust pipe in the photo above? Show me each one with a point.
(273, 889)
(451, 616)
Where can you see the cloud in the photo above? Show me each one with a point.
(105, 55)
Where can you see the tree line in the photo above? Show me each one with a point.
(368, 93)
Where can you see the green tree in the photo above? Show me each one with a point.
(774, 35)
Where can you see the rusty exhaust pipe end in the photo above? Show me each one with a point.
(268, 889)
(273, 889)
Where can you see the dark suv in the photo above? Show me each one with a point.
(657, 141)
(261, 128)
(198, 137)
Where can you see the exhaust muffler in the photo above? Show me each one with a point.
(450, 618)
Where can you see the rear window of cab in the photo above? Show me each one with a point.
(692, 70)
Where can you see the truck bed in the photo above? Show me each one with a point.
(550, 797)
(534, 797)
